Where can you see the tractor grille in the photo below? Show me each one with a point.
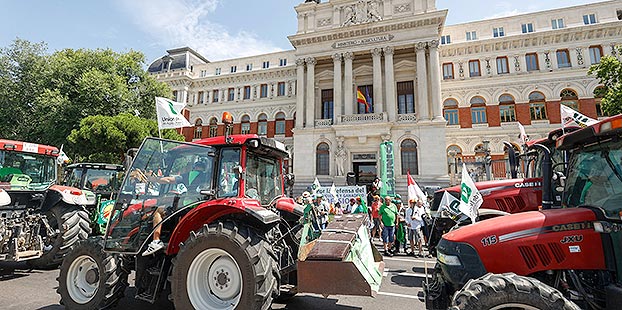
(510, 204)
(542, 254)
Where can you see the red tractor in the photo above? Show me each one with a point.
(549, 259)
(39, 221)
(232, 239)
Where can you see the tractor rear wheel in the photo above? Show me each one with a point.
(90, 278)
(72, 225)
(509, 291)
(224, 266)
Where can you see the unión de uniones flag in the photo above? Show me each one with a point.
(169, 114)
(387, 173)
(470, 197)
(569, 116)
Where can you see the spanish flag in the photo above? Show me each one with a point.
(360, 98)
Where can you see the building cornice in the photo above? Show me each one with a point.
(228, 79)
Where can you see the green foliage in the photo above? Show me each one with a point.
(106, 138)
(609, 73)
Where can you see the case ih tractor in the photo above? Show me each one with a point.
(558, 258)
(232, 239)
(39, 221)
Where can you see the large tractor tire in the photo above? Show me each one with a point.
(509, 291)
(224, 266)
(90, 278)
(72, 225)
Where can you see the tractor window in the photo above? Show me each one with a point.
(26, 171)
(263, 178)
(101, 180)
(556, 158)
(73, 178)
(595, 178)
(228, 179)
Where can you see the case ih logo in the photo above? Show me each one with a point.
(572, 239)
(528, 184)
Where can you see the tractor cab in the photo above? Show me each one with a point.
(101, 179)
(27, 166)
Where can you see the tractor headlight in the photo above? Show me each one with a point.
(449, 260)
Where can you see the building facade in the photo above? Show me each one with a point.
(367, 71)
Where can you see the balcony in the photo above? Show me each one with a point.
(323, 123)
(407, 118)
(363, 118)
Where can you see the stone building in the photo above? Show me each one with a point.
(367, 71)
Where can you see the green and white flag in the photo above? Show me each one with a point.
(570, 116)
(470, 198)
(169, 114)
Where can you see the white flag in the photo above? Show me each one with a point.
(316, 185)
(523, 135)
(333, 191)
(570, 116)
(62, 157)
(470, 198)
(169, 114)
(414, 191)
(451, 204)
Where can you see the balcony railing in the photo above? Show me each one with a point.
(407, 118)
(322, 123)
(363, 118)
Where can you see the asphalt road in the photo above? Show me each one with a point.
(401, 289)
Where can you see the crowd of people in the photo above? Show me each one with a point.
(402, 228)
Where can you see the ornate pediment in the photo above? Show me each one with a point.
(362, 12)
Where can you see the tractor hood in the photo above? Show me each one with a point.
(489, 186)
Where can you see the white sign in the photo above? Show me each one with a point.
(350, 43)
(344, 194)
(169, 114)
(30, 147)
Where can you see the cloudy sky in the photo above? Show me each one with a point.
(218, 29)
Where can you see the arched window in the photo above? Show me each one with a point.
(478, 110)
(570, 98)
(246, 125)
(213, 127)
(262, 124)
(408, 150)
(198, 128)
(280, 123)
(450, 111)
(537, 106)
(599, 93)
(507, 108)
(322, 159)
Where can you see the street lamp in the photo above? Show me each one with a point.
(452, 160)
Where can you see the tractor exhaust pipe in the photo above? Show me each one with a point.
(512, 159)
(547, 177)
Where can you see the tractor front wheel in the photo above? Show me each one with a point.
(224, 266)
(509, 291)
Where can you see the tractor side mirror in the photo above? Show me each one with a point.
(208, 192)
(560, 181)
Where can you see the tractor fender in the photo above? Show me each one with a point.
(69, 195)
(210, 211)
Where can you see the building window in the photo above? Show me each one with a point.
(527, 28)
(280, 89)
(450, 111)
(557, 23)
(474, 68)
(215, 95)
(262, 124)
(478, 110)
(408, 152)
(446, 39)
(231, 94)
(322, 159)
(283, 62)
(198, 129)
(471, 35)
(537, 106)
(405, 98)
(246, 125)
(570, 99)
(507, 110)
(498, 32)
(364, 98)
(448, 71)
(249, 67)
(201, 97)
(327, 104)
(213, 127)
(589, 19)
(596, 52)
(203, 73)
(263, 91)
(247, 92)
(280, 124)
(218, 70)
(266, 64)
(532, 62)
(234, 69)
(563, 59)
(502, 65)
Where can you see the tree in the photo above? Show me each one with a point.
(105, 139)
(609, 73)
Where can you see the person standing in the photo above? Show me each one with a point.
(388, 215)
(323, 208)
(360, 206)
(400, 230)
(413, 225)
(375, 216)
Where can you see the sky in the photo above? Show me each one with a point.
(217, 29)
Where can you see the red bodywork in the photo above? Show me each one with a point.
(511, 196)
(19, 147)
(530, 242)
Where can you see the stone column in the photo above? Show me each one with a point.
(390, 81)
(300, 92)
(542, 61)
(422, 83)
(553, 57)
(310, 110)
(523, 62)
(348, 92)
(258, 91)
(223, 95)
(337, 87)
(376, 54)
(236, 93)
(435, 79)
